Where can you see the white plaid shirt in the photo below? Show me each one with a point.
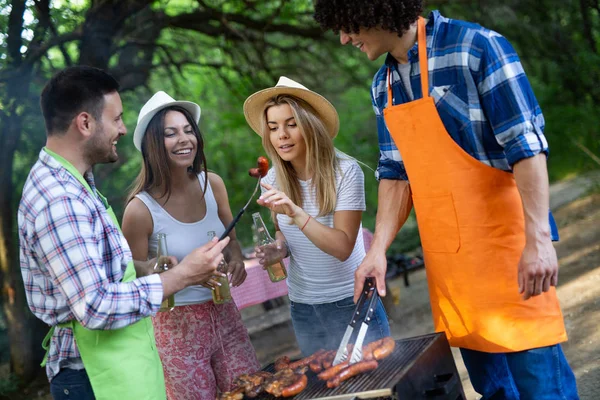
(73, 257)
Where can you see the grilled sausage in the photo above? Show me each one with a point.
(350, 371)
(328, 360)
(263, 166)
(386, 348)
(306, 360)
(367, 350)
(254, 172)
(295, 387)
(315, 366)
(330, 372)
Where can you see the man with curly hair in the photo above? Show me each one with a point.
(464, 143)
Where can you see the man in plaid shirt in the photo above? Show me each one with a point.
(73, 255)
(461, 137)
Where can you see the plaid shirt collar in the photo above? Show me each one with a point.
(51, 162)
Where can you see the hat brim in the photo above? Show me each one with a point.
(254, 107)
(140, 129)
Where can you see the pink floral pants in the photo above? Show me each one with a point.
(203, 347)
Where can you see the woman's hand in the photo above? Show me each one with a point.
(237, 272)
(162, 264)
(272, 253)
(277, 201)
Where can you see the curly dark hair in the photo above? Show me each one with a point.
(350, 16)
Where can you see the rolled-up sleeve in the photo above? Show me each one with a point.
(390, 169)
(390, 165)
(68, 246)
(508, 101)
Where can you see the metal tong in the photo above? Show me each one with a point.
(342, 352)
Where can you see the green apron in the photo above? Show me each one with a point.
(120, 363)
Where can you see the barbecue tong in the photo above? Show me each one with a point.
(356, 356)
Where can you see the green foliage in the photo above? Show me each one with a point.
(8, 384)
(220, 71)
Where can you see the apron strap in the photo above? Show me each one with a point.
(389, 89)
(422, 41)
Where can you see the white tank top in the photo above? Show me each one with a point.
(183, 237)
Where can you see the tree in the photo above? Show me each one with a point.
(242, 45)
(246, 41)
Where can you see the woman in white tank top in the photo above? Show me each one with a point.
(203, 346)
(316, 195)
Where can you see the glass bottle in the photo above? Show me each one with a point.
(162, 266)
(277, 271)
(220, 294)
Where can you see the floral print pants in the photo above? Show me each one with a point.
(203, 347)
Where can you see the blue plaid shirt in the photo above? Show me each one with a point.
(73, 258)
(480, 90)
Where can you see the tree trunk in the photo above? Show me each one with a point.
(25, 331)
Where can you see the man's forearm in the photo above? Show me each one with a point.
(173, 281)
(531, 175)
(394, 206)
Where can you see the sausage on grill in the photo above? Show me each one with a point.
(385, 349)
(331, 372)
(295, 387)
(306, 360)
(350, 371)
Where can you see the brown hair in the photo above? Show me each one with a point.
(155, 172)
(72, 91)
(320, 154)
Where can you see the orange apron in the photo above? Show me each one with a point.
(471, 224)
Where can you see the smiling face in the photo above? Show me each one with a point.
(285, 135)
(373, 42)
(102, 144)
(180, 140)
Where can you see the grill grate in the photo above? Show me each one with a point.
(377, 383)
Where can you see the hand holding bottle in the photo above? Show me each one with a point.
(201, 264)
(264, 241)
(271, 253)
(162, 263)
(237, 270)
(198, 268)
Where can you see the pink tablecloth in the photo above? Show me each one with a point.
(258, 288)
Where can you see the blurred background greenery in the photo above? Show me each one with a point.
(216, 53)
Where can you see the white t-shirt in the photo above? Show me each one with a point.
(183, 237)
(315, 277)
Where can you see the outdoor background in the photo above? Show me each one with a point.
(216, 53)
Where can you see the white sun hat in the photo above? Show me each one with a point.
(254, 105)
(156, 103)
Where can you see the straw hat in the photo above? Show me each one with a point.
(254, 105)
(156, 103)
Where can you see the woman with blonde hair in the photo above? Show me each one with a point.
(203, 346)
(316, 195)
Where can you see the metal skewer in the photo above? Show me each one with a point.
(239, 214)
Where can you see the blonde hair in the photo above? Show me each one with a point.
(321, 159)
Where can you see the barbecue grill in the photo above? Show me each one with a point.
(421, 367)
